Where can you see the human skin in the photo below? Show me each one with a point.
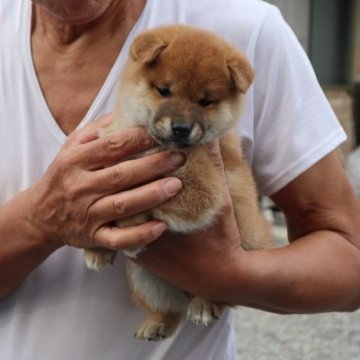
(79, 195)
(77, 55)
(50, 214)
(76, 12)
(318, 271)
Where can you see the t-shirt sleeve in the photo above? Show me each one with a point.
(294, 125)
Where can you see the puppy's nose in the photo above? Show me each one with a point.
(181, 131)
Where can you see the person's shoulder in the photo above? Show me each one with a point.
(235, 20)
(247, 11)
(242, 6)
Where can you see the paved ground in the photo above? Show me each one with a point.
(265, 336)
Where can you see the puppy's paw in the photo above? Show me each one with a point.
(133, 253)
(158, 327)
(201, 311)
(96, 258)
(152, 332)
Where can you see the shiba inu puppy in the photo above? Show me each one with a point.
(185, 86)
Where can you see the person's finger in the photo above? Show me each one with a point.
(214, 152)
(112, 148)
(130, 237)
(130, 173)
(135, 201)
(90, 132)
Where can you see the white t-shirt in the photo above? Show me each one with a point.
(65, 312)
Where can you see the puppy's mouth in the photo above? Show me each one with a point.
(169, 143)
(175, 135)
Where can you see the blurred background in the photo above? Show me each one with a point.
(329, 31)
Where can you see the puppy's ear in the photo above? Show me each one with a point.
(147, 47)
(240, 71)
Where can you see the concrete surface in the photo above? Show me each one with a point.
(266, 336)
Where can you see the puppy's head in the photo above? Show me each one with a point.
(184, 84)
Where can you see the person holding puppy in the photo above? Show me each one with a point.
(62, 186)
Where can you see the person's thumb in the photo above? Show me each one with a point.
(214, 152)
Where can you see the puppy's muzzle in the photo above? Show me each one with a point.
(181, 131)
(178, 124)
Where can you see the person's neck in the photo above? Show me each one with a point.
(118, 18)
(78, 57)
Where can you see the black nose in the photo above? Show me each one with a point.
(181, 131)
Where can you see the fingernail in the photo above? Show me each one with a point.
(213, 147)
(158, 229)
(177, 159)
(172, 186)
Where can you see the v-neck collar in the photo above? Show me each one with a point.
(105, 90)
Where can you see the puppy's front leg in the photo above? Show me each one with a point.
(199, 201)
(96, 258)
(202, 311)
(253, 228)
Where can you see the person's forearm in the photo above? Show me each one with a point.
(317, 273)
(22, 248)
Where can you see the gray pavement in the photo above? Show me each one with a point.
(266, 336)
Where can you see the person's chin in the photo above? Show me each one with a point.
(75, 15)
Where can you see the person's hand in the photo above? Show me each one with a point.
(201, 263)
(91, 184)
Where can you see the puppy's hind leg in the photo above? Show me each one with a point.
(158, 326)
(165, 302)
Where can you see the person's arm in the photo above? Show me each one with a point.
(319, 271)
(82, 192)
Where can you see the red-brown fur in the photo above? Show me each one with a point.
(195, 64)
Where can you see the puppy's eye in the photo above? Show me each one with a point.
(164, 91)
(204, 102)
